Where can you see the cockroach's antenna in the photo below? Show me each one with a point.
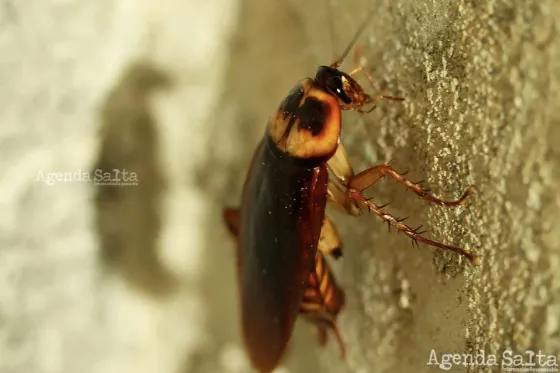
(363, 25)
(330, 20)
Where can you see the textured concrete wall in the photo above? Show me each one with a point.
(482, 86)
(141, 279)
(104, 279)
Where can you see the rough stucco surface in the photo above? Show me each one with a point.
(482, 83)
(142, 280)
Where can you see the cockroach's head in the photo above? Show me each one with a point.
(347, 91)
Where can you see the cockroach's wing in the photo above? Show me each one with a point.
(280, 223)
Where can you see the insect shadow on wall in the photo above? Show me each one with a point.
(128, 217)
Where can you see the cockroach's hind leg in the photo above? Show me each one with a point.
(413, 233)
(369, 177)
(354, 198)
(334, 328)
(231, 218)
(321, 333)
(321, 328)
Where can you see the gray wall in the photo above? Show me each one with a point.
(142, 278)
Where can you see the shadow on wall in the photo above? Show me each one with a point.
(128, 217)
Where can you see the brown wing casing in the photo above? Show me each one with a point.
(323, 298)
(279, 226)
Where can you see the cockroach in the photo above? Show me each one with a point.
(281, 228)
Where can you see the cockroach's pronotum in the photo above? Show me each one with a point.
(281, 228)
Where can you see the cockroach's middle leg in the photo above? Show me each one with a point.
(369, 177)
(330, 242)
(342, 170)
(350, 198)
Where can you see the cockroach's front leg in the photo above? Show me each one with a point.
(350, 198)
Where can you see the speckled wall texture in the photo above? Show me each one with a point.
(482, 87)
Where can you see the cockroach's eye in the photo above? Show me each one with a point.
(335, 86)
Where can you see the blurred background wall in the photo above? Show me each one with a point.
(141, 278)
